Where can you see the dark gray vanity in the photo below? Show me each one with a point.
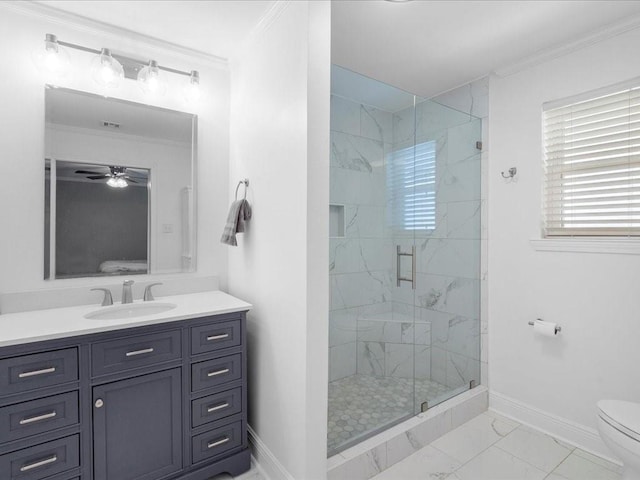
(158, 402)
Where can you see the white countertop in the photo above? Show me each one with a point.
(39, 325)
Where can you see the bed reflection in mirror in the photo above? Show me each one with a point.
(118, 187)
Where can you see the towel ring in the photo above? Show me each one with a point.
(244, 181)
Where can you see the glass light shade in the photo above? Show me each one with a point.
(52, 60)
(106, 70)
(117, 182)
(191, 90)
(151, 80)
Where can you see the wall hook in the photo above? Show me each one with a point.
(510, 173)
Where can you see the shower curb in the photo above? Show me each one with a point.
(376, 454)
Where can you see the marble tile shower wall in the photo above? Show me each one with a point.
(450, 273)
(360, 261)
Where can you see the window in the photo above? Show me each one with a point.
(592, 165)
(411, 181)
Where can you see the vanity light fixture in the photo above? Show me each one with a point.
(53, 60)
(107, 71)
(151, 80)
(192, 89)
(109, 68)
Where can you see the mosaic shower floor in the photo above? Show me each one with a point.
(361, 403)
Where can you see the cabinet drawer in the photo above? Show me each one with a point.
(215, 442)
(42, 460)
(216, 372)
(215, 407)
(134, 352)
(38, 416)
(208, 338)
(38, 370)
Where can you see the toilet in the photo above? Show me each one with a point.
(619, 427)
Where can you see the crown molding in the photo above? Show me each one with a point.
(542, 56)
(82, 24)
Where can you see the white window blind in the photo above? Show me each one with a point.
(411, 179)
(592, 165)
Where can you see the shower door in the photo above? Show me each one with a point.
(404, 256)
(437, 217)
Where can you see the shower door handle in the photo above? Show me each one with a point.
(399, 277)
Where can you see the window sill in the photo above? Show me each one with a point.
(588, 245)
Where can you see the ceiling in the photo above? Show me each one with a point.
(424, 47)
(429, 47)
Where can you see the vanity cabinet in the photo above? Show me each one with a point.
(137, 426)
(158, 402)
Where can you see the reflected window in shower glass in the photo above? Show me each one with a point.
(411, 184)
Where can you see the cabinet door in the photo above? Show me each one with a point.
(137, 428)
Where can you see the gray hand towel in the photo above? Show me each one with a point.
(239, 214)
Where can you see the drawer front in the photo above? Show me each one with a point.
(216, 372)
(41, 461)
(134, 352)
(211, 444)
(38, 416)
(208, 338)
(216, 407)
(29, 372)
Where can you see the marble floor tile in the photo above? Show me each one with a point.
(471, 438)
(534, 447)
(253, 474)
(577, 467)
(496, 464)
(492, 447)
(427, 463)
(600, 461)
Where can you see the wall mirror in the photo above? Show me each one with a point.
(119, 187)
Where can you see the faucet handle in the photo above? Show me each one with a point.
(148, 296)
(107, 300)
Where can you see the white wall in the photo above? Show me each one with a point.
(555, 382)
(22, 139)
(280, 141)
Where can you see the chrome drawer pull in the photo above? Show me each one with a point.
(140, 352)
(26, 421)
(219, 442)
(218, 372)
(37, 372)
(217, 337)
(217, 407)
(41, 463)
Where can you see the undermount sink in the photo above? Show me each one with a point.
(130, 310)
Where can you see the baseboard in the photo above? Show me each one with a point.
(570, 432)
(266, 460)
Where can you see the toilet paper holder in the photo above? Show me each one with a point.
(558, 327)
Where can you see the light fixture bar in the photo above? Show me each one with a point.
(121, 58)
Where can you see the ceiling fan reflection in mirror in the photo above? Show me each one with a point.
(116, 177)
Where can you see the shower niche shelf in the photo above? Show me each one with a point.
(336, 220)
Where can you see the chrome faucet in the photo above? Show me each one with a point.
(148, 296)
(107, 300)
(127, 296)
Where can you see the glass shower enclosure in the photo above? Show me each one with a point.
(404, 329)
